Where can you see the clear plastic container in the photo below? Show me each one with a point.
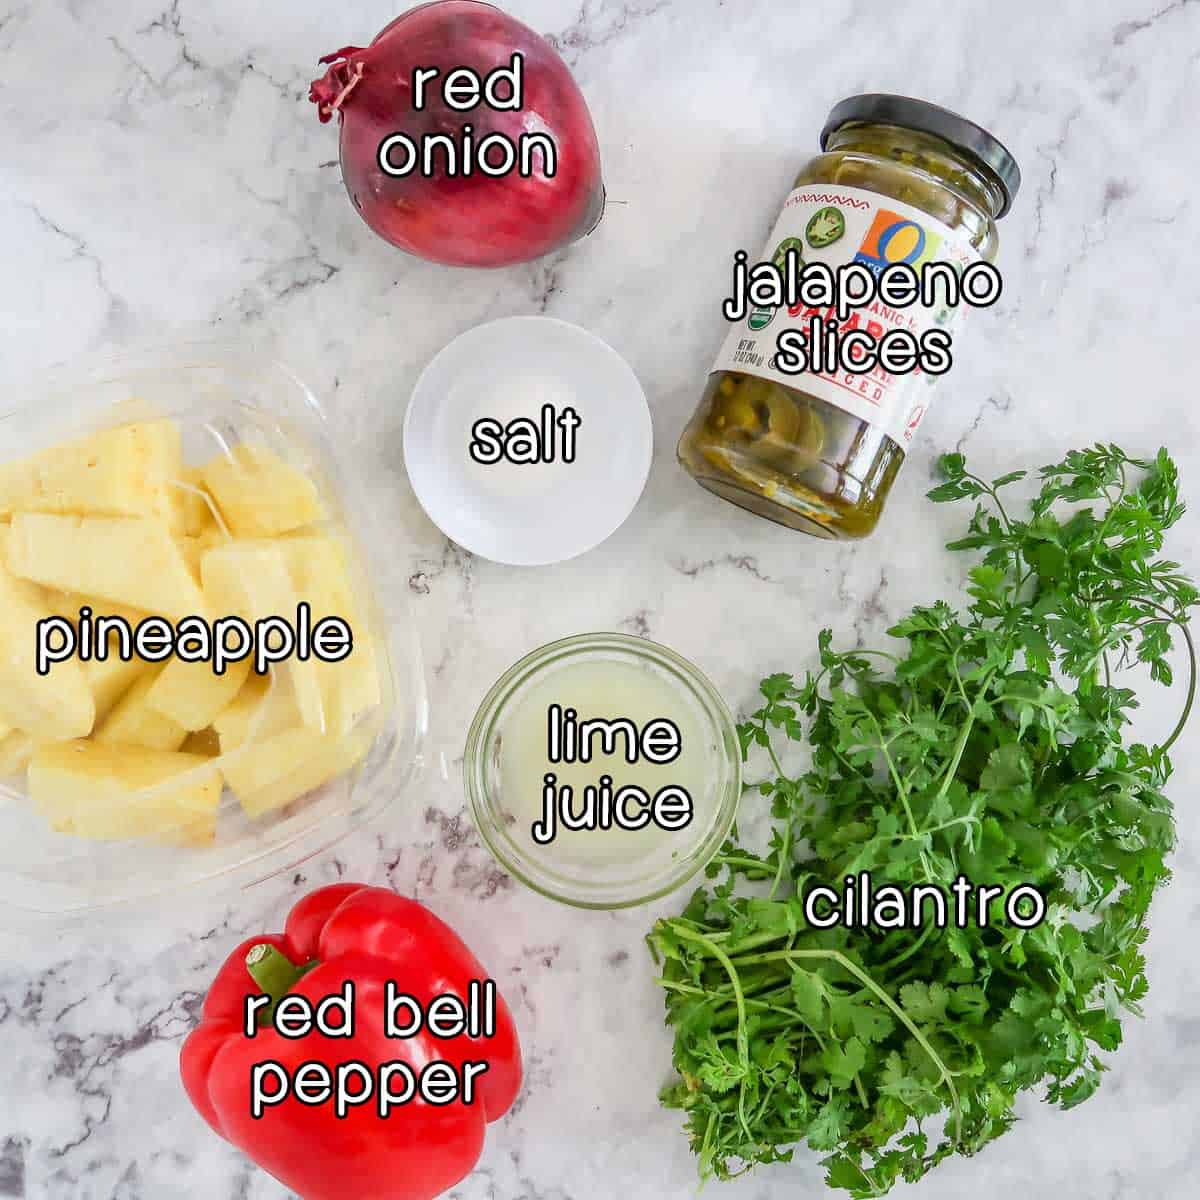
(221, 398)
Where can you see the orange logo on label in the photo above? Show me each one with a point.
(896, 239)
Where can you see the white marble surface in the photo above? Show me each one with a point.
(160, 171)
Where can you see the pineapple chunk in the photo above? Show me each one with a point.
(320, 570)
(261, 710)
(135, 723)
(198, 831)
(192, 551)
(53, 707)
(16, 749)
(259, 495)
(127, 560)
(251, 580)
(195, 549)
(118, 472)
(191, 695)
(69, 604)
(109, 792)
(110, 680)
(267, 776)
(192, 506)
(258, 579)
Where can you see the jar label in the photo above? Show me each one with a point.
(837, 225)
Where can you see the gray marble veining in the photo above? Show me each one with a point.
(161, 173)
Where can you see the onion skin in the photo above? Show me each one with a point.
(473, 220)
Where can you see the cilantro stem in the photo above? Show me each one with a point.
(673, 985)
(969, 819)
(904, 955)
(747, 943)
(785, 851)
(901, 791)
(743, 1037)
(880, 654)
(771, 751)
(991, 491)
(788, 1016)
(1182, 626)
(961, 743)
(1191, 692)
(706, 1145)
(747, 864)
(868, 982)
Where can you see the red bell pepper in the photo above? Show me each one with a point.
(368, 936)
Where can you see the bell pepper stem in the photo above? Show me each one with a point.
(274, 975)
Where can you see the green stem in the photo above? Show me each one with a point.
(961, 745)
(877, 654)
(1191, 693)
(705, 1147)
(931, 829)
(901, 790)
(865, 979)
(743, 1037)
(746, 943)
(747, 864)
(774, 757)
(686, 989)
(785, 852)
(274, 975)
(781, 1018)
(1182, 625)
(904, 955)
(991, 491)
(962, 691)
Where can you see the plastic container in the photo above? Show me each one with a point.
(618, 882)
(219, 398)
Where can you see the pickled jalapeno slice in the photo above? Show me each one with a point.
(826, 227)
(792, 243)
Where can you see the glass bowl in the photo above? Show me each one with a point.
(618, 882)
(220, 397)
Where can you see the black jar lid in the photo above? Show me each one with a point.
(972, 139)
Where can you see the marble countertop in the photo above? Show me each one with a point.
(161, 174)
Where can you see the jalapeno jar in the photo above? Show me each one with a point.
(898, 180)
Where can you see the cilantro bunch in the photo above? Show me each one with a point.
(991, 743)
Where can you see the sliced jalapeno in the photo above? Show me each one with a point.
(826, 226)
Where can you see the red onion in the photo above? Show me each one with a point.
(472, 220)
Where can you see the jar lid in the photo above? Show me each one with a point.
(883, 109)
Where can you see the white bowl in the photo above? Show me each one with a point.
(528, 514)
